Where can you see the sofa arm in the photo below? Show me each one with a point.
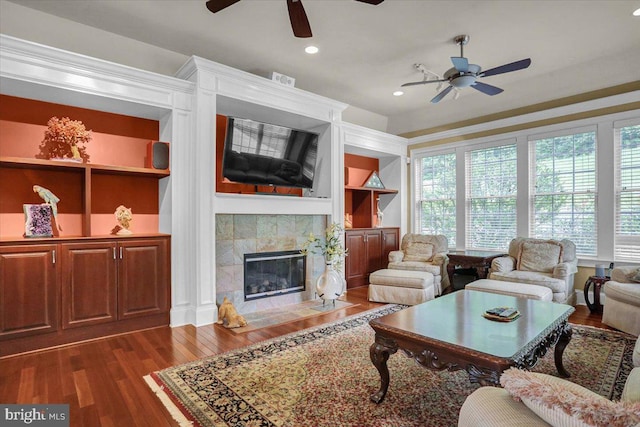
(503, 264)
(565, 269)
(439, 258)
(631, 392)
(396, 256)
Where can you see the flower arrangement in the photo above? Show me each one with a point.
(124, 216)
(331, 247)
(65, 138)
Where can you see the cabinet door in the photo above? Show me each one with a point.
(28, 290)
(143, 276)
(88, 283)
(356, 260)
(390, 242)
(373, 240)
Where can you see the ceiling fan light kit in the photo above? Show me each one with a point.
(463, 74)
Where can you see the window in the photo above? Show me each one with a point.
(563, 204)
(627, 190)
(575, 180)
(437, 196)
(491, 197)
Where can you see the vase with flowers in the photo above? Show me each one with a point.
(330, 285)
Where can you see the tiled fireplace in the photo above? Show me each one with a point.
(246, 234)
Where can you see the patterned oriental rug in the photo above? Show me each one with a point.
(323, 377)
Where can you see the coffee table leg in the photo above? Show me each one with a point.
(379, 354)
(563, 340)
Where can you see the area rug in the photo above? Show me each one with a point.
(290, 313)
(323, 377)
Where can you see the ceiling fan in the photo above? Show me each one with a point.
(464, 74)
(297, 15)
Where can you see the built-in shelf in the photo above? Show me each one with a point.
(373, 190)
(18, 162)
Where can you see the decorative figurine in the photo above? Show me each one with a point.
(228, 316)
(50, 199)
(124, 216)
(64, 139)
(379, 213)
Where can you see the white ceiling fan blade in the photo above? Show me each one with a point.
(441, 95)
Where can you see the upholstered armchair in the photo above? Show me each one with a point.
(423, 252)
(549, 263)
(544, 400)
(622, 300)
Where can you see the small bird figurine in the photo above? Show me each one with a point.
(50, 199)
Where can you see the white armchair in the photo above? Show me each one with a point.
(622, 300)
(423, 252)
(549, 263)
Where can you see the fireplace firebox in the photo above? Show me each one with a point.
(269, 274)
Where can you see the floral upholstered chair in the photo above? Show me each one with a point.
(622, 300)
(549, 263)
(423, 252)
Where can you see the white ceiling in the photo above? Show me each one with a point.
(367, 52)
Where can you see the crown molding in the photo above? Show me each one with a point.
(629, 98)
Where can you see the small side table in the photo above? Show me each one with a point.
(478, 260)
(596, 282)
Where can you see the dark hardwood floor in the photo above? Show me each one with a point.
(101, 380)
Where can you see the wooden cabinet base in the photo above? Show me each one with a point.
(69, 336)
(72, 290)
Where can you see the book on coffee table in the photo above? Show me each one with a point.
(502, 314)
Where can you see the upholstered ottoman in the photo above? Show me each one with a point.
(401, 286)
(523, 290)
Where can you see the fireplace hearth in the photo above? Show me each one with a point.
(269, 274)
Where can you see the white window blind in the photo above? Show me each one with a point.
(437, 197)
(627, 187)
(564, 190)
(491, 176)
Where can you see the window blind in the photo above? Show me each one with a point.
(491, 176)
(627, 187)
(437, 196)
(563, 201)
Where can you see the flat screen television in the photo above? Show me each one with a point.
(266, 154)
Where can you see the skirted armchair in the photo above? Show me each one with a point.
(622, 300)
(423, 252)
(549, 263)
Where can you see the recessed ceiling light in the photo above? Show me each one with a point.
(398, 93)
(311, 50)
(636, 12)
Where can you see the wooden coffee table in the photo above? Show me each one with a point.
(450, 333)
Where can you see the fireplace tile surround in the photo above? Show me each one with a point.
(238, 234)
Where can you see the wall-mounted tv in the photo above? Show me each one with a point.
(266, 154)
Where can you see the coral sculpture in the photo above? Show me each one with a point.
(65, 139)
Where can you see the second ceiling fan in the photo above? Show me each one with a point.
(464, 74)
(297, 15)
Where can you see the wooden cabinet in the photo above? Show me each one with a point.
(73, 290)
(28, 291)
(368, 251)
(143, 278)
(89, 291)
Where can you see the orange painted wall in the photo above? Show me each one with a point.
(116, 139)
(358, 169)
